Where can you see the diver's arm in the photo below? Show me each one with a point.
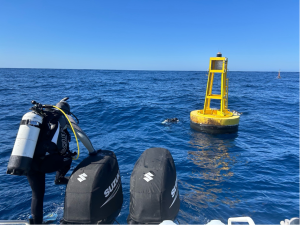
(82, 136)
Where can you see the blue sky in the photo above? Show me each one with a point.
(255, 35)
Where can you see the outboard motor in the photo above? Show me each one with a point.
(25, 144)
(154, 195)
(94, 191)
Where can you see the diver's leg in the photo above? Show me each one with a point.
(60, 174)
(59, 163)
(37, 184)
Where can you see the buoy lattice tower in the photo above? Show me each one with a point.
(215, 120)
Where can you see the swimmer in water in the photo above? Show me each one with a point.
(172, 120)
(236, 113)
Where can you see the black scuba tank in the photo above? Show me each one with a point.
(94, 191)
(154, 195)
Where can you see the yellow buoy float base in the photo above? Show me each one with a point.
(213, 123)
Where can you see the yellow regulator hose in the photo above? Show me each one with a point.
(72, 130)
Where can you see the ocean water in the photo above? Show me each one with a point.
(252, 173)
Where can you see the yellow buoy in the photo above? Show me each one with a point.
(216, 120)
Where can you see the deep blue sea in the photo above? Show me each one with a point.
(252, 173)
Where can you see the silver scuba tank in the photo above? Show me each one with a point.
(25, 144)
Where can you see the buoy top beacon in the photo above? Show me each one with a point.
(216, 120)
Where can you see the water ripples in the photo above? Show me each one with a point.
(252, 173)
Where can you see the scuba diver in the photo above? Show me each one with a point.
(172, 120)
(51, 153)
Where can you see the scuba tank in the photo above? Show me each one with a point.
(27, 143)
(27, 137)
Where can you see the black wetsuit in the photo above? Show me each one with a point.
(51, 155)
(36, 179)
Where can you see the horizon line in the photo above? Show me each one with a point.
(146, 70)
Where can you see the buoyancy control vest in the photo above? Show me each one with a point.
(54, 137)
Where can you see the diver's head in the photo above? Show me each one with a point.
(63, 105)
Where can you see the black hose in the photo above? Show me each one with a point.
(75, 117)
